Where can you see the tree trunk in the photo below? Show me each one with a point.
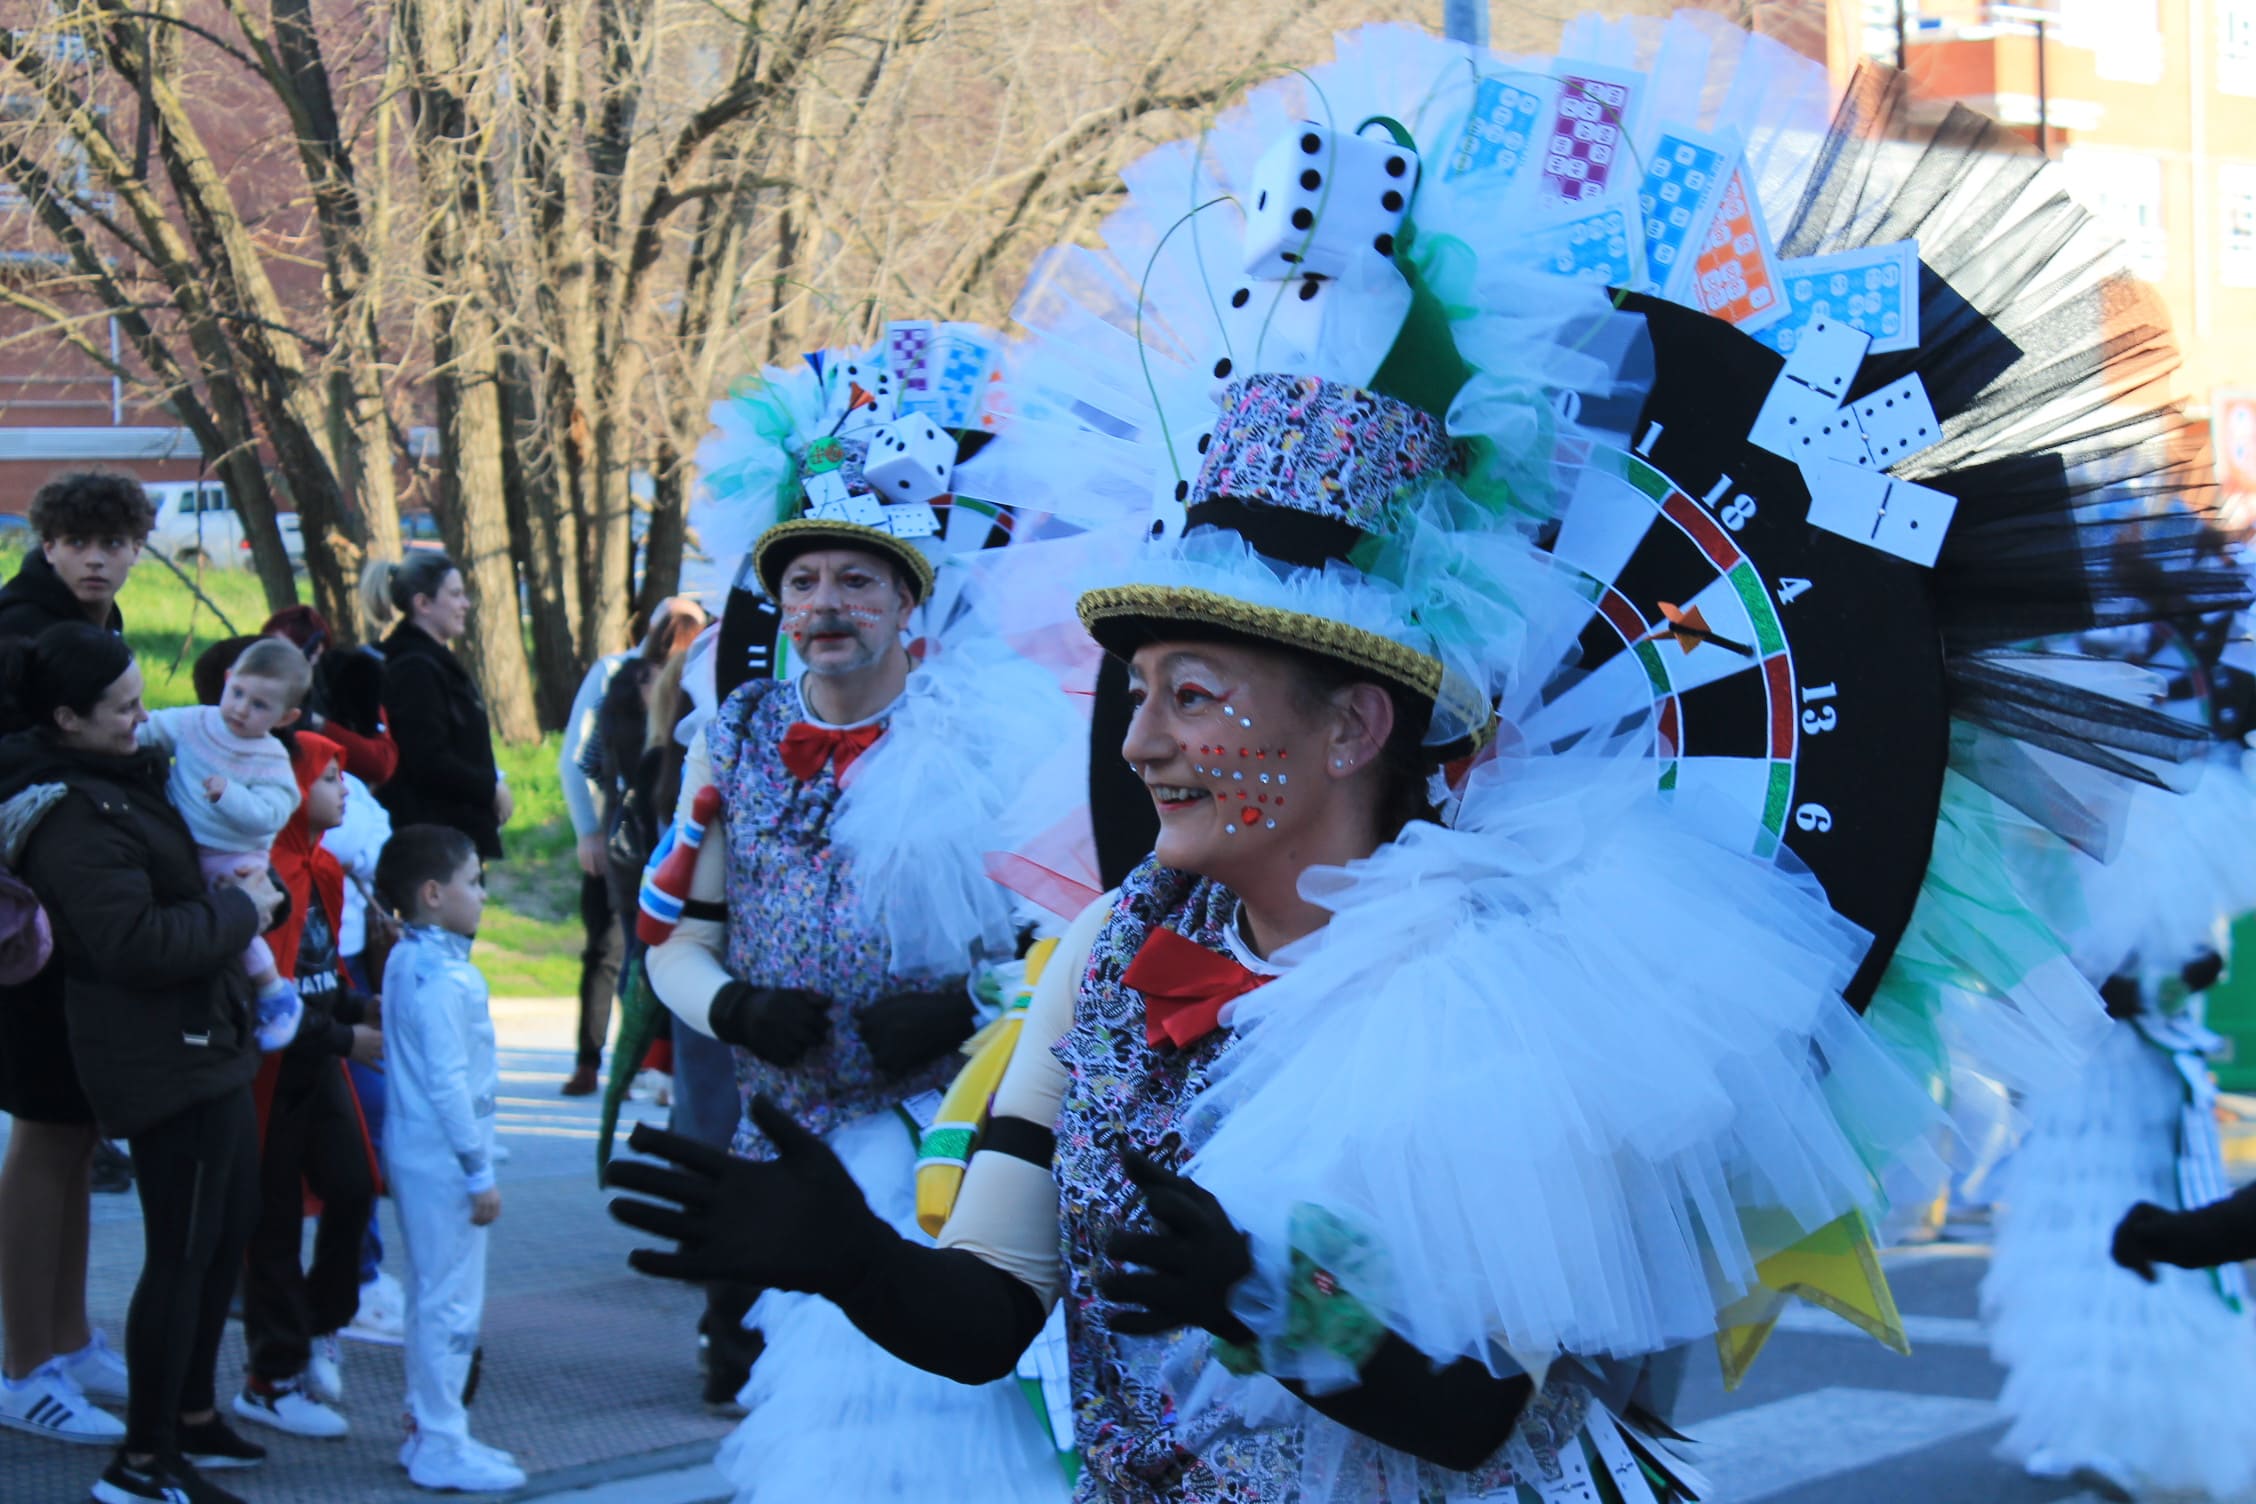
(551, 596)
(669, 529)
(467, 346)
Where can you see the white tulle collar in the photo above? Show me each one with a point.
(1233, 936)
(807, 713)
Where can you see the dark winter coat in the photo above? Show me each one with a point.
(446, 763)
(37, 599)
(34, 600)
(154, 991)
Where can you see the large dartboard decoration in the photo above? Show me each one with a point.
(1793, 672)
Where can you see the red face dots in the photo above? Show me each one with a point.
(1248, 777)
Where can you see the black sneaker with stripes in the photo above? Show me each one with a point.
(168, 1480)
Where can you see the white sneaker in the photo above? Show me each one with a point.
(382, 1317)
(497, 1453)
(287, 1407)
(48, 1404)
(96, 1369)
(458, 1463)
(325, 1370)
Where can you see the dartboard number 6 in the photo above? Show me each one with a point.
(1815, 818)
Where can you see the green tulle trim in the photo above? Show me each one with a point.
(765, 483)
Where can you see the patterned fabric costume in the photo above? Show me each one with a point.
(792, 917)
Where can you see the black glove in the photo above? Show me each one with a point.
(778, 1024)
(907, 1029)
(1190, 1265)
(2131, 1246)
(2201, 973)
(2223, 1232)
(795, 1222)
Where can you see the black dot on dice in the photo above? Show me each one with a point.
(1261, 201)
(1182, 489)
(1312, 180)
(1159, 529)
(1302, 219)
(1293, 257)
(1391, 201)
(1222, 368)
(1311, 143)
(1239, 298)
(1396, 167)
(1308, 289)
(904, 485)
(1206, 441)
(1384, 245)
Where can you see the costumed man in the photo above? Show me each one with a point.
(838, 909)
(315, 1140)
(1549, 933)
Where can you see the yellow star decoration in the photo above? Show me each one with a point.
(1838, 1268)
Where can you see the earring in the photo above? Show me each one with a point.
(1337, 763)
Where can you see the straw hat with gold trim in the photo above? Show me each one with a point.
(852, 449)
(1306, 472)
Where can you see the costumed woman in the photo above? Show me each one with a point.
(835, 809)
(1377, 1129)
(2142, 1386)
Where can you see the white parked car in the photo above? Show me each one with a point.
(197, 523)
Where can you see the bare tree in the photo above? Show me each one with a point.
(555, 230)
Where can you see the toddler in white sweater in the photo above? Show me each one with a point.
(231, 781)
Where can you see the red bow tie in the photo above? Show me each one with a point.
(1184, 986)
(808, 749)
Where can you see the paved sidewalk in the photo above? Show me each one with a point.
(590, 1372)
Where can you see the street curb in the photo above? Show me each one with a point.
(591, 1475)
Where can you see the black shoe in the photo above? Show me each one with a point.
(728, 1366)
(215, 1444)
(166, 1480)
(201, 1490)
(113, 1169)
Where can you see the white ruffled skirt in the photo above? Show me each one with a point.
(2152, 1386)
(836, 1417)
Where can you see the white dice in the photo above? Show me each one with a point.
(1321, 198)
(910, 459)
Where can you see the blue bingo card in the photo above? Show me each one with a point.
(1676, 197)
(1602, 247)
(1497, 131)
(1874, 288)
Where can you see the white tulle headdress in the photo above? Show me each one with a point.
(1583, 1056)
(863, 449)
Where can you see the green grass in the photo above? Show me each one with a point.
(529, 945)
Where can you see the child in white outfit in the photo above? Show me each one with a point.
(438, 1145)
(231, 781)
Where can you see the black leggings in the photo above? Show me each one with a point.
(313, 1142)
(600, 954)
(198, 1175)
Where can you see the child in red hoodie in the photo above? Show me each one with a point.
(314, 1138)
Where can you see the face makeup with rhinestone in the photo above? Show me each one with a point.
(1248, 779)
